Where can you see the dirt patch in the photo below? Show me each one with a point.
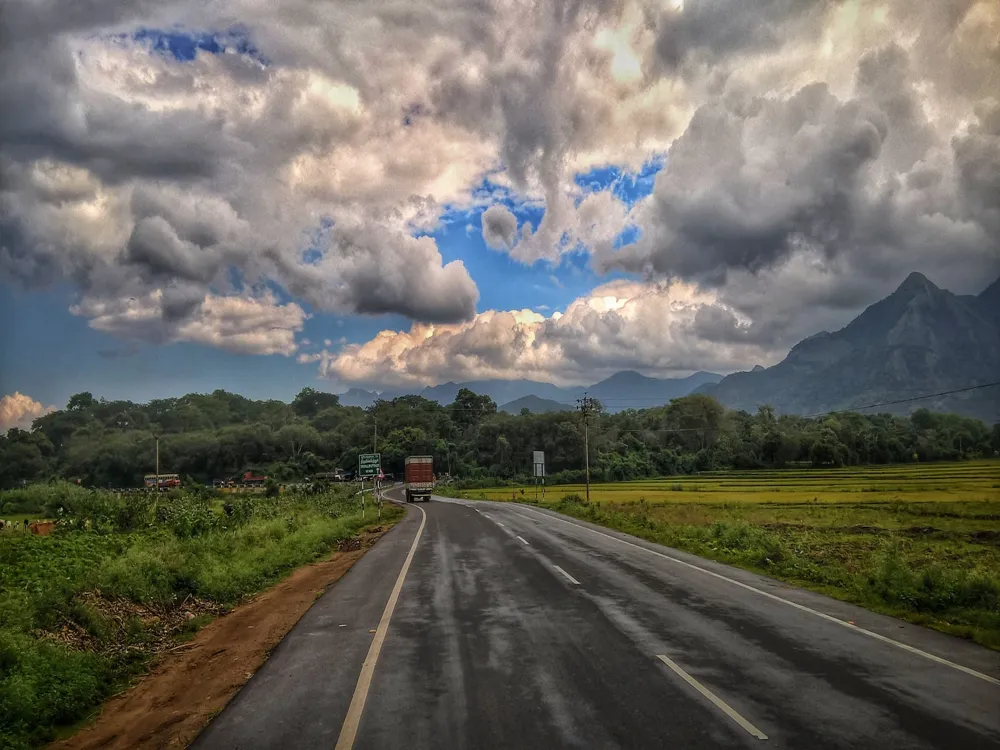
(160, 624)
(192, 682)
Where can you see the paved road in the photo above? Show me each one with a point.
(517, 628)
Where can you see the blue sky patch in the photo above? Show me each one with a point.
(628, 187)
(184, 46)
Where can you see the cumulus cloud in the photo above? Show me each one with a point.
(499, 227)
(241, 324)
(864, 182)
(18, 410)
(658, 328)
(803, 149)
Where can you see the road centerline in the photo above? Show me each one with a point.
(716, 700)
(570, 578)
(349, 729)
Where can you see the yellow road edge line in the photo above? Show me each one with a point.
(719, 703)
(774, 597)
(349, 730)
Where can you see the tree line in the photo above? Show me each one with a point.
(204, 437)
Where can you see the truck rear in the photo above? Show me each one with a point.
(419, 478)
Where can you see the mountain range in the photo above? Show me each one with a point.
(919, 340)
(623, 390)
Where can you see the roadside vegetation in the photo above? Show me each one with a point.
(920, 542)
(123, 577)
(205, 437)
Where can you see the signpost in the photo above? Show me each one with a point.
(539, 462)
(369, 465)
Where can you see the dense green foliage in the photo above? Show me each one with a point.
(206, 437)
(145, 551)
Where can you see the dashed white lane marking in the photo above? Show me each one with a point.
(570, 578)
(501, 525)
(774, 597)
(719, 703)
(349, 730)
(523, 540)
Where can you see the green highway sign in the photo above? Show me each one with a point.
(369, 464)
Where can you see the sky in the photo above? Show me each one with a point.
(261, 197)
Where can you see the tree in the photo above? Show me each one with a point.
(469, 408)
(310, 402)
(294, 438)
(696, 418)
(79, 401)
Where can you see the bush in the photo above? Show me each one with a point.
(177, 546)
(933, 589)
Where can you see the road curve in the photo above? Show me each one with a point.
(514, 627)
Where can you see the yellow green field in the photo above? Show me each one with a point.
(969, 481)
(921, 542)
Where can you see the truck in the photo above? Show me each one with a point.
(419, 477)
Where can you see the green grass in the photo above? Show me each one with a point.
(150, 554)
(917, 542)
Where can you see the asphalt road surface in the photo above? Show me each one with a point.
(492, 625)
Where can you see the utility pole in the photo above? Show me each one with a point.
(156, 480)
(587, 406)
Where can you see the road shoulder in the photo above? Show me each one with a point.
(195, 681)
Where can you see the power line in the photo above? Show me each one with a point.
(904, 400)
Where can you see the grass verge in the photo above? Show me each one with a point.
(85, 611)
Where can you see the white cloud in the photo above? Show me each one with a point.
(658, 328)
(241, 324)
(18, 410)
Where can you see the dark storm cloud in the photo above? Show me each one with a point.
(370, 271)
(708, 30)
(743, 191)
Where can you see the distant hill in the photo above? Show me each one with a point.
(623, 390)
(632, 390)
(501, 391)
(920, 339)
(535, 405)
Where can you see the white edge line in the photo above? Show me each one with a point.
(719, 703)
(524, 540)
(352, 720)
(570, 578)
(774, 597)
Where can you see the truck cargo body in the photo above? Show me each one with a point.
(419, 478)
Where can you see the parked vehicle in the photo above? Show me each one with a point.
(419, 477)
(161, 481)
(337, 475)
(249, 479)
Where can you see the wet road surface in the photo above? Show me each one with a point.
(513, 627)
